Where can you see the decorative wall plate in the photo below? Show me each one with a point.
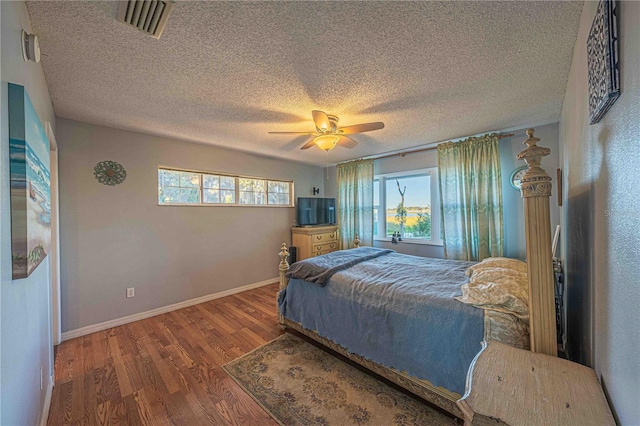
(516, 177)
(602, 61)
(109, 173)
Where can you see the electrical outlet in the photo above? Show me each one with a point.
(41, 378)
(131, 292)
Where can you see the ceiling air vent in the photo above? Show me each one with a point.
(149, 16)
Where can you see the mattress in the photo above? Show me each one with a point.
(396, 310)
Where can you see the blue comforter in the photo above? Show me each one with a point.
(398, 311)
(319, 269)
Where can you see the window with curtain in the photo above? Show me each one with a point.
(355, 202)
(471, 198)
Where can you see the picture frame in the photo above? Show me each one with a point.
(559, 181)
(602, 61)
(30, 182)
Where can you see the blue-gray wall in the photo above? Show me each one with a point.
(514, 242)
(169, 254)
(601, 218)
(513, 206)
(25, 328)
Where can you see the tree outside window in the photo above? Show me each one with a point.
(403, 204)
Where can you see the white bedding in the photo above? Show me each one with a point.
(499, 286)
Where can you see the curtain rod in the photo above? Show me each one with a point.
(402, 154)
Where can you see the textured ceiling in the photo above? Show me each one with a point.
(226, 73)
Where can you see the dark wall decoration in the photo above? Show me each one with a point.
(602, 61)
(109, 173)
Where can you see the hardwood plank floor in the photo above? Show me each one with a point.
(166, 369)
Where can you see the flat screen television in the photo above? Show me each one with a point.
(316, 211)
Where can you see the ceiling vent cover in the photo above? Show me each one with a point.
(149, 16)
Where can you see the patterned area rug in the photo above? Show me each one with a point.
(300, 384)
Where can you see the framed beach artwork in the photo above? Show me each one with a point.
(30, 185)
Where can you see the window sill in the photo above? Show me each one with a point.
(411, 241)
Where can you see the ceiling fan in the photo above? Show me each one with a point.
(328, 134)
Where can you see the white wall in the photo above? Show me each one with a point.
(512, 202)
(114, 237)
(602, 206)
(25, 315)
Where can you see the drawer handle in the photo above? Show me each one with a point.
(318, 237)
(332, 246)
(332, 235)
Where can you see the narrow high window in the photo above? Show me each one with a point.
(190, 187)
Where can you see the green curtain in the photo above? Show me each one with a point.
(471, 198)
(355, 202)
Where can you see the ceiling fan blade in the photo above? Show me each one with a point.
(321, 119)
(361, 128)
(309, 144)
(290, 133)
(347, 142)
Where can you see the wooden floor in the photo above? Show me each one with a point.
(166, 369)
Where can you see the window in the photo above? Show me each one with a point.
(179, 187)
(278, 193)
(252, 191)
(188, 187)
(218, 189)
(407, 203)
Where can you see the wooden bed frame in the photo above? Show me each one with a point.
(535, 190)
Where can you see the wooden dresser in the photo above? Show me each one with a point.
(314, 241)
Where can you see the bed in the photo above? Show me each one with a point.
(397, 315)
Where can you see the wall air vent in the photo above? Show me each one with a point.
(149, 16)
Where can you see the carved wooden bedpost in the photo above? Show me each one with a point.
(283, 267)
(356, 241)
(536, 190)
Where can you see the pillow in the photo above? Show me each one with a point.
(500, 285)
(511, 281)
(499, 262)
(494, 297)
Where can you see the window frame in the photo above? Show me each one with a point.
(236, 178)
(219, 189)
(432, 172)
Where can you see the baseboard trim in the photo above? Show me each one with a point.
(44, 416)
(153, 312)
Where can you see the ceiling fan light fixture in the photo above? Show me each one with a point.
(326, 142)
(328, 134)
